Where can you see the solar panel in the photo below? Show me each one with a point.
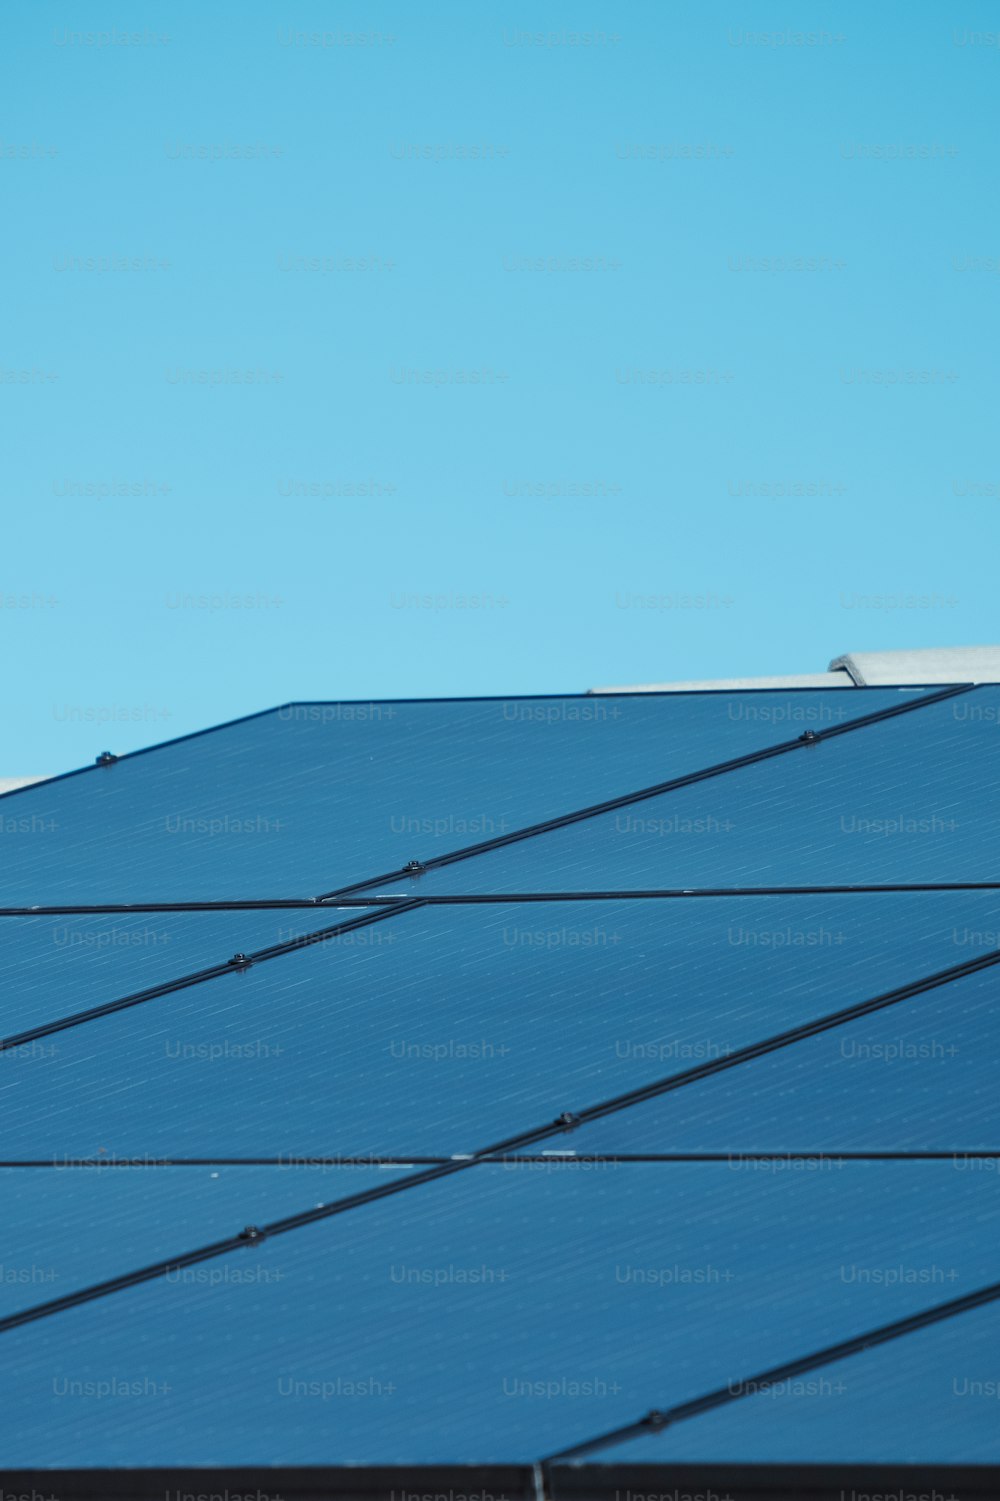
(56, 966)
(499, 1314)
(468, 1024)
(311, 797)
(918, 1076)
(912, 798)
(68, 1226)
(456, 1170)
(929, 1404)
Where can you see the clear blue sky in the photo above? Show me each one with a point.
(766, 259)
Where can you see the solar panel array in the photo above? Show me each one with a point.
(539, 1082)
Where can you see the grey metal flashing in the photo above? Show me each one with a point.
(920, 666)
(847, 664)
(934, 664)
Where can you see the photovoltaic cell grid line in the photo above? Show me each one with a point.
(365, 899)
(965, 1160)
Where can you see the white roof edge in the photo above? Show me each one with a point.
(860, 669)
(799, 680)
(933, 664)
(11, 784)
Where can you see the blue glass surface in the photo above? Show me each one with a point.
(918, 1076)
(444, 1030)
(51, 967)
(914, 798)
(929, 1398)
(311, 797)
(518, 1307)
(68, 1227)
(500, 1314)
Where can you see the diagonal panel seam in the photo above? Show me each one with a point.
(808, 741)
(792, 1035)
(658, 1420)
(381, 912)
(234, 965)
